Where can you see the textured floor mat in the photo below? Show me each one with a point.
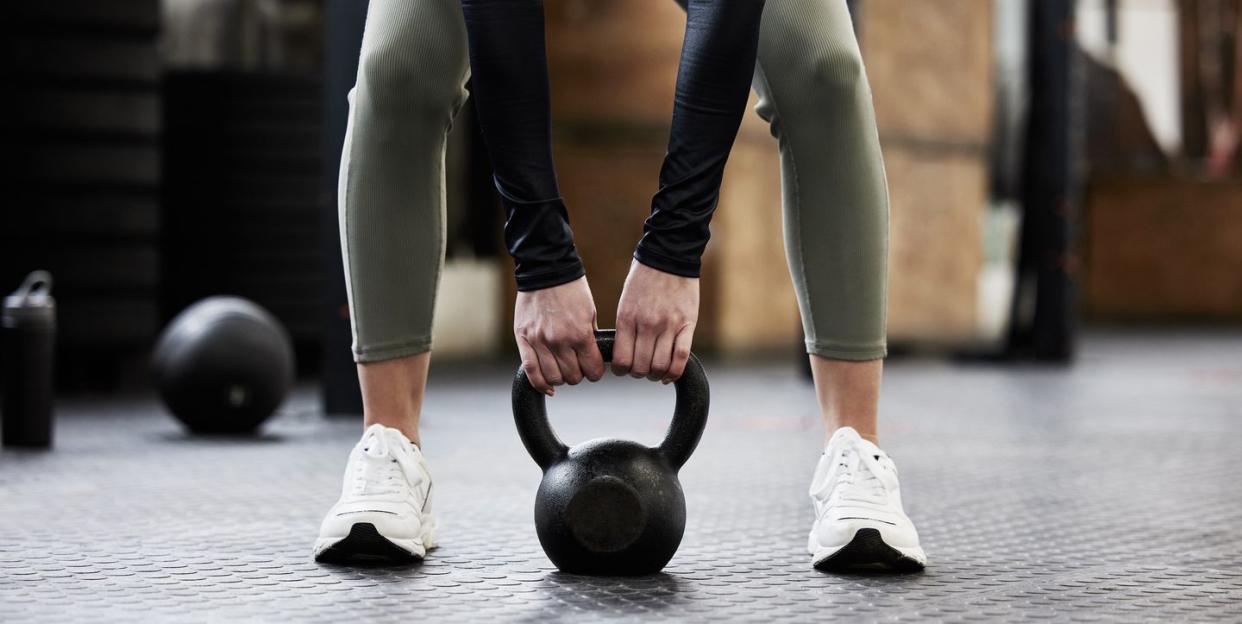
(1106, 492)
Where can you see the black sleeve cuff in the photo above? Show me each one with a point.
(661, 262)
(538, 280)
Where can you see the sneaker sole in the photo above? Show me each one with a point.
(868, 551)
(364, 545)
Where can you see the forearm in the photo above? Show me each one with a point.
(713, 82)
(510, 90)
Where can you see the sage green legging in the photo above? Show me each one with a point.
(812, 89)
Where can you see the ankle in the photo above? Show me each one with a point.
(392, 392)
(404, 425)
(866, 433)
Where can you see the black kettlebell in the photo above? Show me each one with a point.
(609, 506)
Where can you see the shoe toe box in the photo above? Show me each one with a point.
(394, 520)
(837, 529)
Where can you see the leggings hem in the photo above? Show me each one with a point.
(851, 353)
(392, 351)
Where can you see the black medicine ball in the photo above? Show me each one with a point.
(223, 365)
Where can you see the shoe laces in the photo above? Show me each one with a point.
(381, 471)
(859, 478)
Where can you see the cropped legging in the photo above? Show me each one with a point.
(812, 91)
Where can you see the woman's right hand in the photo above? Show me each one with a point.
(555, 332)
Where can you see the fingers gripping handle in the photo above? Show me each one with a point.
(530, 411)
(689, 415)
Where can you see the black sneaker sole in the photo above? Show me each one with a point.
(867, 552)
(365, 546)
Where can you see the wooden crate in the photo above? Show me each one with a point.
(931, 69)
(930, 66)
(746, 285)
(613, 62)
(608, 189)
(935, 250)
(1163, 249)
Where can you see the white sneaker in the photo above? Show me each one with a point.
(859, 522)
(384, 513)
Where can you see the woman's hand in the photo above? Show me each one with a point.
(655, 324)
(555, 332)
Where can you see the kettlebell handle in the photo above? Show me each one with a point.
(689, 414)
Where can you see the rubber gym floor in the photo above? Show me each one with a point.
(1104, 492)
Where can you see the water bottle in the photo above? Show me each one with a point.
(28, 325)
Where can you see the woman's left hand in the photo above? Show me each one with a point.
(655, 324)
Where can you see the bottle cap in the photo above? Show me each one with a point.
(32, 303)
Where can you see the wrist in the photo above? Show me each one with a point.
(667, 264)
(548, 278)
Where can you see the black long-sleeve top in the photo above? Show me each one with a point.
(509, 71)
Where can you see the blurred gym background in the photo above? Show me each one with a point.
(1053, 165)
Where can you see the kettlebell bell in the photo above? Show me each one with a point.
(611, 507)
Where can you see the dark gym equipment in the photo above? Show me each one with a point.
(611, 507)
(80, 124)
(223, 366)
(1044, 313)
(28, 327)
(242, 186)
(343, 25)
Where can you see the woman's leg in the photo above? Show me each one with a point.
(814, 93)
(410, 84)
